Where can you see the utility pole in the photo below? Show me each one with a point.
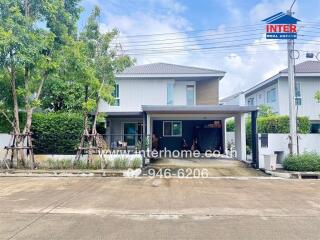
(292, 99)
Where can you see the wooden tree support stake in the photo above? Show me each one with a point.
(16, 145)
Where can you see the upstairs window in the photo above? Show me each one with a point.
(190, 94)
(298, 94)
(170, 93)
(115, 94)
(250, 101)
(271, 96)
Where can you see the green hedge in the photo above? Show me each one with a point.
(308, 161)
(56, 133)
(274, 124)
(271, 124)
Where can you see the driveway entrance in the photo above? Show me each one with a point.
(215, 167)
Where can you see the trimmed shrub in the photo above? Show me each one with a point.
(56, 133)
(280, 124)
(308, 161)
(121, 162)
(273, 124)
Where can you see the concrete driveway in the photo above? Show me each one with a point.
(215, 167)
(146, 208)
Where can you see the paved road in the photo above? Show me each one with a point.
(119, 208)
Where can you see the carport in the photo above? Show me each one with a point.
(210, 115)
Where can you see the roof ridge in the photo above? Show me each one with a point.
(200, 68)
(178, 65)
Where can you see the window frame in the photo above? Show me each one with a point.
(298, 99)
(274, 97)
(251, 101)
(116, 95)
(193, 94)
(171, 123)
(170, 93)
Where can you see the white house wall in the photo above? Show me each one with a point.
(136, 92)
(260, 98)
(309, 107)
(280, 143)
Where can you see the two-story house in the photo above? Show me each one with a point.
(274, 92)
(177, 105)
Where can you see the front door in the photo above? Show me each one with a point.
(129, 133)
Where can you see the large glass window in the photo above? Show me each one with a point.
(170, 93)
(116, 96)
(172, 128)
(190, 94)
(271, 96)
(298, 94)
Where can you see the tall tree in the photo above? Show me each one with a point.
(28, 52)
(105, 63)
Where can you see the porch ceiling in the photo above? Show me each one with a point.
(198, 109)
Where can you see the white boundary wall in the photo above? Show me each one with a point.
(4, 140)
(280, 143)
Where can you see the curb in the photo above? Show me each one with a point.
(14, 173)
(295, 175)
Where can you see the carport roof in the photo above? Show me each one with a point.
(232, 109)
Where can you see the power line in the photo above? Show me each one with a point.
(186, 40)
(203, 30)
(192, 31)
(191, 38)
(174, 51)
(188, 45)
(207, 46)
(195, 37)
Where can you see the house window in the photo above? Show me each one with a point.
(170, 90)
(315, 127)
(298, 94)
(172, 128)
(115, 94)
(251, 102)
(190, 94)
(271, 96)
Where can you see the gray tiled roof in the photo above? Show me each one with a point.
(166, 68)
(306, 67)
(227, 99)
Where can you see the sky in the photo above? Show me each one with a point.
(226, 35)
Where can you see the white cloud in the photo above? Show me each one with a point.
(266, 9)
(245, 67)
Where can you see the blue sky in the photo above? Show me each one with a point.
(244, 68)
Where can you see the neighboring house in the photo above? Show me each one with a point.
(174, 103)
(235, 99)
(274, 93)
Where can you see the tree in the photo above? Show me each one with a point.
(103, 62)
(265, 111)
(28, 53)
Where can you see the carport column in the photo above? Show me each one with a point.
(144, 138)
(240, 136)
(254, 136)
(149, 132)
(224, 135)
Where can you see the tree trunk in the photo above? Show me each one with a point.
(16, 121)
